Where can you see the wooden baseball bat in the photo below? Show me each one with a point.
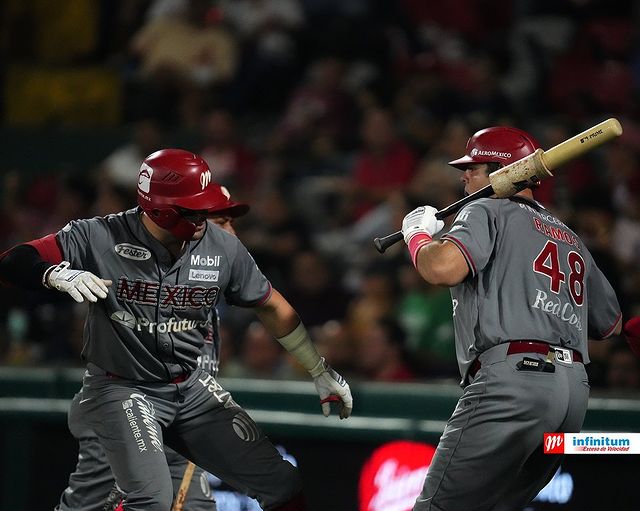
(531, 169)
(184, 487)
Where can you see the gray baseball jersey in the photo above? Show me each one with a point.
(530, 277)
(152, 324)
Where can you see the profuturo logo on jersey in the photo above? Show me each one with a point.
(205, 179)
(132, 252)
(173, 325)
(144, 178)
(148, 415)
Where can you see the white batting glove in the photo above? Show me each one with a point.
(79, 284)
(421, 220)
(332, 388)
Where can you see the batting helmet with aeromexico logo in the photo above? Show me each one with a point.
(498, 144)
(174, 180)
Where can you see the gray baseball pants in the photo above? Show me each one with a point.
(490, 456)
(198, 419)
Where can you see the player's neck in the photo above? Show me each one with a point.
(168, 240)
(527, 192)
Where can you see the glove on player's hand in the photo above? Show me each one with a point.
(79, 284)
(421, 220)
(632, 334)
(332, 387)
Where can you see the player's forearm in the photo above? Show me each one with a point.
(277, 315)
(282, 321)
(23, 267)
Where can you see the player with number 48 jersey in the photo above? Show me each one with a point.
(526, 297)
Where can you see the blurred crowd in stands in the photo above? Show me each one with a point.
(333, 119)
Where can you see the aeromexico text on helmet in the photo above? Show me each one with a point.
(497, 154)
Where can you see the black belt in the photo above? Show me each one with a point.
(516, 347)
(178, 379)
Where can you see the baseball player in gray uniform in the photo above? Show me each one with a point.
(151, 275)
(526, 296)
(92, 486)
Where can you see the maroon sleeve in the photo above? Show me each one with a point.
(25, 264)
(48, 248)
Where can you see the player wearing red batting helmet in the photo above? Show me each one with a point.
(143, 335)
(498, 144)
(525, 291)
(176, 191)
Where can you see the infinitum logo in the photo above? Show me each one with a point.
(592, 443)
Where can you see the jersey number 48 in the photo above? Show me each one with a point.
(548, 263)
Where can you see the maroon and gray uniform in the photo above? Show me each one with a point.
(92, 486)
(531, 282)
(143, 387)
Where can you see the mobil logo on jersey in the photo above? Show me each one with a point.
(200, 260)
(393, 477)
(180, 297)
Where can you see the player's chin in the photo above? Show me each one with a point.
(199, 232)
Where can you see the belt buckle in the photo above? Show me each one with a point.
(563, 355)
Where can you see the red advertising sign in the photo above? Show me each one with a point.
(392, 478)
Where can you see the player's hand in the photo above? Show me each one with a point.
(631, 332)
(79, 284)
(421, 220)
(332, 388)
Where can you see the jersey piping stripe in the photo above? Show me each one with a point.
(266, 296)
(613, 327)
(464, 250)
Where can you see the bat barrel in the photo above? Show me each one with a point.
(582, 143)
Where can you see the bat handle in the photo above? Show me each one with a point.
(384, 243)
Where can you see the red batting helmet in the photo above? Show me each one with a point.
(224, 206)
(172, 179)
(499, 144)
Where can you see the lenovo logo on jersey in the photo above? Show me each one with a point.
(204, 275)
(198, 260)
(132, 252)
